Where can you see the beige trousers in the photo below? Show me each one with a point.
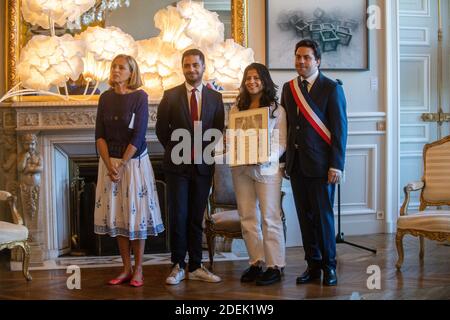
(258, 199)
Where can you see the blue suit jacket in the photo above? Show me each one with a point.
(173, 113)
(304, 144)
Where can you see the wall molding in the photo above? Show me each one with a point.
(357, 208)
(419, 139)
(425, 59)
(371, 118)
(425, 41)
(370, 151)
(356, 116)
(425, 10)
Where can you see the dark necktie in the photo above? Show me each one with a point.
(305, 84)
(194, 117)
(194, 106)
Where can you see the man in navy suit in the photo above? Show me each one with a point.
(317, 137)
(188, 182)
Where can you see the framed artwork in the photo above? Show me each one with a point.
(248, 137)
(339, 27)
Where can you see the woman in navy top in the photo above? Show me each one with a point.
(126, 204)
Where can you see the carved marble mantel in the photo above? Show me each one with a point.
(65, 115)
(39, 116)
(69, 120)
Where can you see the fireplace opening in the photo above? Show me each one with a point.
(83, 240)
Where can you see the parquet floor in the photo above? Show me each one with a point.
(427, 280)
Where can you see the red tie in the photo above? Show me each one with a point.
(194, 106)
(194, 116)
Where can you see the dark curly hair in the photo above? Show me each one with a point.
(269, 93)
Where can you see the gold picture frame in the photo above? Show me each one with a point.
(248, 136)
(15, 35)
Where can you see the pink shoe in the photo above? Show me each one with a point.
(136, 283)
(117, 281)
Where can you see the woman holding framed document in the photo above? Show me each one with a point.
(258, 184)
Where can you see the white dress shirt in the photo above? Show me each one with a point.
(311, 79)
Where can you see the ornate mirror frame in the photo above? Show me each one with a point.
(15, 34)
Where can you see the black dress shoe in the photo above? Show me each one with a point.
(309, 275)
(329, 277)
(251, 274)
(271, 275)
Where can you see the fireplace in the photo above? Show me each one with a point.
(71, 178)
(83, 240)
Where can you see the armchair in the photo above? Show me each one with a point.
(15, 234)
(435, 191)
(225, 223)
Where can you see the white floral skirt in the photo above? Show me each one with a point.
(129, 208)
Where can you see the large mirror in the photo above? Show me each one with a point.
(137, 19)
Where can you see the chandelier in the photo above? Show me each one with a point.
(97, 12)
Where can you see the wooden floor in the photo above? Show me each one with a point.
(429, 280)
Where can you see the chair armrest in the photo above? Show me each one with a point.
(415, 186)
(8, 197)
(15, 214)
(412, 186)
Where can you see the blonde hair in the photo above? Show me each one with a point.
(135, 80)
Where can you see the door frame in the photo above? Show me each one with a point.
(392, 102)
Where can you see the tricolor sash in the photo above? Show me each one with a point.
(307, 110)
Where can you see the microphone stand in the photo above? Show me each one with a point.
(340, 235)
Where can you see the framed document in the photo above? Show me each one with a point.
(248, 137)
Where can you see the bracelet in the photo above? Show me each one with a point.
(123, 162)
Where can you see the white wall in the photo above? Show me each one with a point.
(363, 192)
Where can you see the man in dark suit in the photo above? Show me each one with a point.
(188, 182)
(317, 137)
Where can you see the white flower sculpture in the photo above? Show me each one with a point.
(47, 61)
(228, 61)
(152, 84)
(148, 54)
(159, 63)
(204, 28)
(172, 26)
(102, 45)
(188, 25)
(37, 12)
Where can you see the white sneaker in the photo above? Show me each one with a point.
(176, 276)
(203, 274)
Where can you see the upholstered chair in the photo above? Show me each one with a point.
(222, 217)
(15, 234)
(434, 188)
